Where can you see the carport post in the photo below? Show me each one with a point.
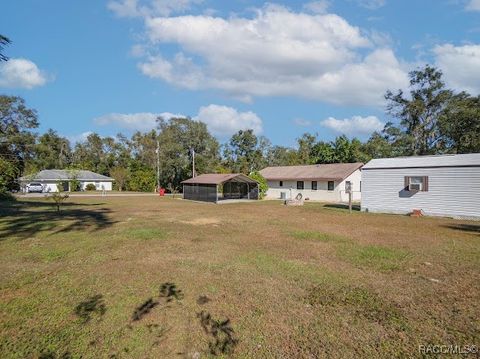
(183, 191)
(216, 193)
(248, 190)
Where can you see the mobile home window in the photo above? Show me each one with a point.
(314, 185)
(331, 185)
(300, 185)
(281, 184)
(416, 183)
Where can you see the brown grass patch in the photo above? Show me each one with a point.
(280, 281)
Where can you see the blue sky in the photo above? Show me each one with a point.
(282, 68)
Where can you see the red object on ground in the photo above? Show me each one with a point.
(416, 213)
(161, 192)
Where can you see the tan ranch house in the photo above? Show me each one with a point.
(324, 182)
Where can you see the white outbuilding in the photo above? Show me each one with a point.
(443, 185)
(323, 182)
(60, 180)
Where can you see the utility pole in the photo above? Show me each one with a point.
(193, 162)
(157, 151)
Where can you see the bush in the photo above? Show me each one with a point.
(262, 183)
(7, 197)
(90, 187)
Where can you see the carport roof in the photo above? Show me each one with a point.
(218, 178)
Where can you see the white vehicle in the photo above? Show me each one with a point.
(34, 187)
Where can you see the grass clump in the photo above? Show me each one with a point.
(318, 236)
(358, 301)
(146, 234)
(373, 256)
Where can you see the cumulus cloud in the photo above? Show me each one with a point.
(224, 121)
(354, 126)
(276, 53)
(82, 137)
(21, 73)
(142, 121)
(473, 5)
(460, 65)
(134, 8)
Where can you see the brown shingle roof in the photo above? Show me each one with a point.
(334, 171)
(217, 178)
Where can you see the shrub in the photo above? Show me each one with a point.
(262, 183)
(58, 198)
(90, 187)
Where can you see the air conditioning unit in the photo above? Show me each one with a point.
(415, 187)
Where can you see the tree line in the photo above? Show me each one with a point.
(429, 119)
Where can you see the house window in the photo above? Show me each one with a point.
(360, 186)
(331, 185)
(314, 185)
(281, 184)
(97, 185)
(300, 185)
(416, 183)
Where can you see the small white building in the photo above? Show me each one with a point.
(324, 182)
(444, 185)
(54, 180)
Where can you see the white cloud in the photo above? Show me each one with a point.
(21, 73)
(317, 7)
(371, 4)
(460, 65)
(134, 8)
(82, 137)
(224, 121)
(276, 53)
(355, 126)
(142, 121)
(473, 5)
(302, 122)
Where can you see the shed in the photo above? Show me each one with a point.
(442, 185)
(214, 187)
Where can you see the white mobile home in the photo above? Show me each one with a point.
(445, 185)
(324, 182)
(54, 180)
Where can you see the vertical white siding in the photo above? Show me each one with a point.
(452, 191)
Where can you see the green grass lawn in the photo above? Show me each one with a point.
(151, 277)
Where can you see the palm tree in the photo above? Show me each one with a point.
(4, 41)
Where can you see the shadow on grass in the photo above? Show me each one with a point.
(221, 333)
(143, 309)
(93, 305)
(25, 219)
(355, 207)
(52, 355)
(471, 228)
(169, 291)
